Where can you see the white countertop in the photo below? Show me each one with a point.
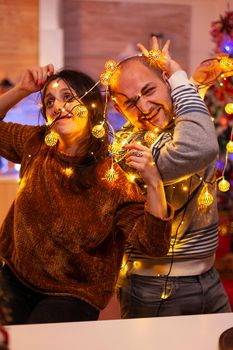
(200, 332)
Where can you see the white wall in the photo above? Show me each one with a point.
(201, 47)
(51, 49)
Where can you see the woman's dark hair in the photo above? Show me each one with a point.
(95, 149)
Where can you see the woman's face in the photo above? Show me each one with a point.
(60, 101)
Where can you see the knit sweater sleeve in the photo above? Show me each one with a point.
(194, 143)
(13, 138)
(147, 233)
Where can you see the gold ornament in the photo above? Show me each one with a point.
(107, 75)
(115, 148)
(229, 108)
(111, 175)
(224, 185)
(80, 111)
(156, 58)
(98, 131)
(229, 146)
(154, 55)
(150, 137)
(226, 64)
(111, 66)
(205, 199)
(51, 139)
(105, 78)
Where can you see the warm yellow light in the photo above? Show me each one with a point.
(229, 108)
(226, 64)
(223, 230)
(165, 295)
(105, 78)
(93, 105)
(51, 139)
(69, 171)
(111, 65)
(124, 268)
(150, 137)
(229, 146)
(55, 85)
(21, 183)
(131, 177)
(80, 111)
(98, 131)
(137, 264)
(115, 148)
(111, 175)
(224, 185)
(185, 188)
(205, 199)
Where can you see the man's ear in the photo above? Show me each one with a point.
(165, 77)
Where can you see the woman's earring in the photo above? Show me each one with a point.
(51, 139)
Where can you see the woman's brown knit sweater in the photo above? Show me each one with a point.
(62, 242)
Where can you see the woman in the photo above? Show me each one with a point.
(63, 239)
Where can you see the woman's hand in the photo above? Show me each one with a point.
(31, 81)
(33, 78)
(164, 62)
(140, 158)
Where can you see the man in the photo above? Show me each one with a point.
(165, 102)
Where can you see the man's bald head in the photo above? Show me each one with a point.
(131, 63)
(141, 93)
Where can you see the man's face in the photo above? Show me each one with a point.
(142, 97)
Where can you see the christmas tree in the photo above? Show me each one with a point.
(219, 99)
